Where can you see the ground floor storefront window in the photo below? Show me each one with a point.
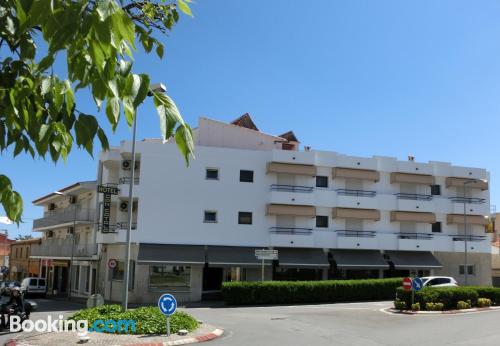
(394, 273)
(354, 274)
(163, 276)
(297, 274)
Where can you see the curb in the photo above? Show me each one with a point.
(449, 312)
(190, 340)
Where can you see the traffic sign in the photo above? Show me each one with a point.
(417, 284)
(167, 304)
(407, 284)
(112, 263)
(265, 254)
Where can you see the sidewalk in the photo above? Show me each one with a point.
(204, 333)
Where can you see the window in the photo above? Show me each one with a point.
(210, 216)
(244, 218)
(470, 269)
(212, 174)
(321, 181)
(50, 234)
(438, 281)
(169, 276)
(436, 227)
(321, 221)
(119, 270)
(246, 176)
(436, 190)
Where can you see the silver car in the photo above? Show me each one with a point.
(439, 281)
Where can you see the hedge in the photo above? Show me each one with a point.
(326, 291)
(450, 296)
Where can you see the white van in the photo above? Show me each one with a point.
(34, 286)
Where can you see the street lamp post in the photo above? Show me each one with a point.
(126, 275)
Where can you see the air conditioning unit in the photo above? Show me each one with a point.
(71, 230)
(126, 164)
(123, 206)
(52, 206)
(72, 199)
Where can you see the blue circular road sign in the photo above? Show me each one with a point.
(417, 284)
(167, 304)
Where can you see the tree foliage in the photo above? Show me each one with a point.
(24, 237)
(39, 114)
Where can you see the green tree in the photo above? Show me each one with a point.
(39, 115)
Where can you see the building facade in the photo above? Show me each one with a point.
(68, 251)
(329, 215)
(4, 253)
(21, 264)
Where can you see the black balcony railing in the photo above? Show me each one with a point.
(460, 237)
(356, 193)
(126, 180)
(291, 188)
(414, 196)
(423, 236)
(356, 234)
(291, 230)
(469, 200)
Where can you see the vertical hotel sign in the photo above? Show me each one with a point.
(106, 205)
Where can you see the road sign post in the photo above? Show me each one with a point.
(416, 284)
(111, 265)
(265, 254)
(167, 305)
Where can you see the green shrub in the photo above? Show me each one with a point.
(399, 305)
(287, 292)
(415, 307)
(483, 302)
(492, 293)
(148, 320)
(463, 305)
(449, 296)
(434, 306)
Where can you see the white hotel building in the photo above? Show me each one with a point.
(328, 215)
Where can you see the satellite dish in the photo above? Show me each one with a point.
(95, 300)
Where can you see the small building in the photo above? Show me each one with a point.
(4, 252)
(21, 265)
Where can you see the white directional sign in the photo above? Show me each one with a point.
(265, 254)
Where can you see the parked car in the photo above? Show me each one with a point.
(34, 286)
(439, 281)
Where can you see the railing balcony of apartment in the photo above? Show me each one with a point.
(468, 200)
(113, 228)
(291, 188)
(414, 196)
(356, 193)
(291, 230)
(63, 248)
(126, 180)
(419, 236)
(356, 234)
(459, 237)
(62, 216)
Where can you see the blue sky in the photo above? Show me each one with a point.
(357, 77)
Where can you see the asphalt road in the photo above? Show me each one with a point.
(328, 324)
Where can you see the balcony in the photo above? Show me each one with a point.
(356, 193)
(291, 188)
(475, 243)
(350, 239)
(415, 241)
(126, 180)
(414, 196)
(468, 200)
(113, 228)
(291, 230)
(459, 237)
(64, 216)
(63, 248)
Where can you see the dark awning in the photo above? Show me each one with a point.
(302, 258)
(413, 260)
(171, 254)
(359, 259)
(233, 256)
